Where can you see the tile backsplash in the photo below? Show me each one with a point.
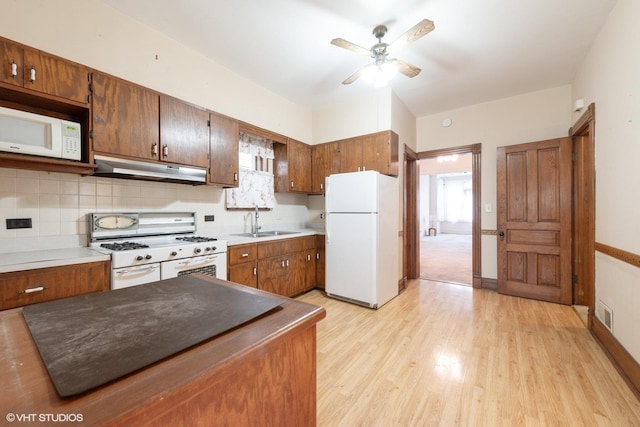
(58, 204)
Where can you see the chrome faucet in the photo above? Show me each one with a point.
(256, 227)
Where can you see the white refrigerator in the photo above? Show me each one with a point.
(362, 222)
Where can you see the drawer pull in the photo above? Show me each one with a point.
(255, 271)
(14, 69)
(32, 290)
(244, 255)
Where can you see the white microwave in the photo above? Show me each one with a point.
(28, 133)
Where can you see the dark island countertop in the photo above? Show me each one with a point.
(264, 370)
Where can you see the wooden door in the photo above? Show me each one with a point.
(299, 159)
(534, 220)
(55, 76)
(223, 139)
(125, 118)
(184, 133)
(11, 54)
(350, 155)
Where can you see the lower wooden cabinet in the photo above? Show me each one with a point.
(284, 267)
(320, 261)
(22, 288)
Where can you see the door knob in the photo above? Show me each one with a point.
(501, 234)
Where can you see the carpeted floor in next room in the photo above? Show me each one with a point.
(446, 258)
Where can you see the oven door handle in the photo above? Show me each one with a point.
(198, 260)
(147, 268)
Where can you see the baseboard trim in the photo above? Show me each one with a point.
(491, 284)
(624, 363)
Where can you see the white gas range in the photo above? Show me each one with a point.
(150, 246)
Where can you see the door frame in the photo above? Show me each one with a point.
(476, 227)
(411, 240)
(584, 210)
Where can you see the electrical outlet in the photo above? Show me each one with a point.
(13, 223)
(209, 218)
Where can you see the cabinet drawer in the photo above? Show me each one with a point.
(309, 242)
(280, 247)
(45, 284)
(242, 253)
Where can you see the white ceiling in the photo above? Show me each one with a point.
(480, 50)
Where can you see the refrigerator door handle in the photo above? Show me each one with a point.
(327, 228)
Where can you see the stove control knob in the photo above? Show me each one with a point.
(209, 249)
(174, 253)
(139, 258)
(213, 248)
(197, 250)
(147, 256)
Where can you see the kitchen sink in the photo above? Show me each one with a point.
(267, 233)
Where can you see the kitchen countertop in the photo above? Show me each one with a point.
(30, 260)
(233, 239)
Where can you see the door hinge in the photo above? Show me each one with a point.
(208, 123)
(574, 156)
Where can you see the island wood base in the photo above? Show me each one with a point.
(263, 373)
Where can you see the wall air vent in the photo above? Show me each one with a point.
(605, 315)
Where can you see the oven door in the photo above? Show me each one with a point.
(132, 276)
(211, 265)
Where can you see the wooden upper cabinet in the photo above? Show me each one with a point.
(299, 155)
(292, 166)
(126, 118)
(325, 160)
(380, 152)
(12, 57)
(223, 145)
(350, 155)
(39, 71)
(184, 133)
(55, 76)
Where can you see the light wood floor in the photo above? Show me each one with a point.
(448, 355)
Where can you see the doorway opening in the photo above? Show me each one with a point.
(446, 218)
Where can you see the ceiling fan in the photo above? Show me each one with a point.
(383, 68)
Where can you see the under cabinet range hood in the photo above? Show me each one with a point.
(134, 169)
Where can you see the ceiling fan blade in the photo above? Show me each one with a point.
(353, 77)
(407, 69)
(350, 46)
(421, 29)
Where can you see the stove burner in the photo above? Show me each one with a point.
(124, 246)
(196, 239)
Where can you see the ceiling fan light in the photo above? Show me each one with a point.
(369, 74)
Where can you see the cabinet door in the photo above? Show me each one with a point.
(273, 275)
(245, 274)
(320, 261)
(325, 160)
(125, 118)
(55, 76)
(184, 133)
(12, 69)
(350, 155)
(299, 159)
(46, 284)
(223, 146)
(309, 270)
(380, 152)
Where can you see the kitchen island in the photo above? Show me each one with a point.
(262, 373)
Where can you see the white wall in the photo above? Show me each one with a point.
(525, 118)
(88, 32)
(610, 77)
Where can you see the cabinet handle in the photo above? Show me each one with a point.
(32, 74)
(165, 150)
(235, 176)
(31, 290)
(255, 271)
(322, 186)
(358, 168)
(14, 69)
(282, 263)
(244, 255)
(291, 184)
(364, 168)
(287, 263)
(154, 149)
(317, 255)
(308, 257)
